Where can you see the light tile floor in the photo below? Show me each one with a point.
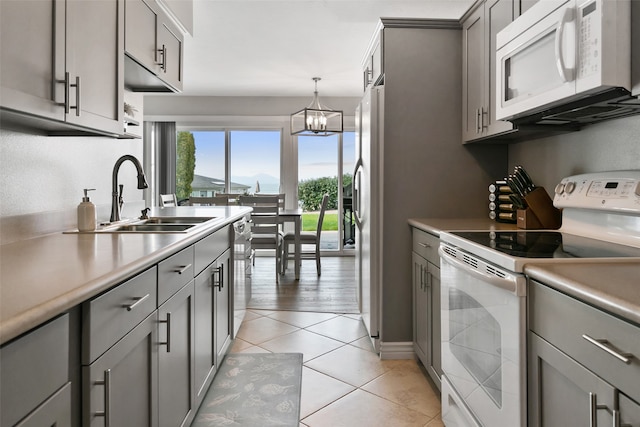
(344, 383)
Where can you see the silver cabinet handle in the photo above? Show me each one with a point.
(602, 344)
(477, 120)
(428, 280)
(421, 279)
(139, 301)
(77, 86)
(218, 276)
(163, 63)
(424, 245)
(483, 113)
(168, 341)
(107, 398)
(183, 269)
(593, 409)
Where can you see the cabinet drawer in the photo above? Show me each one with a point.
(563, 321)
(107, 318)
(426, 245)
(33, 367)
(56, 411)
(210, 248)
(174, 272)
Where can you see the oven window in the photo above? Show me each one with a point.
(475, 341)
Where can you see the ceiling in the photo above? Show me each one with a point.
(275, 47)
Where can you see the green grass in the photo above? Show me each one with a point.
(310, 221)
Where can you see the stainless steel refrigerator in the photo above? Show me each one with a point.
(366, 201)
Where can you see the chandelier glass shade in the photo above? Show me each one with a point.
(316, 119)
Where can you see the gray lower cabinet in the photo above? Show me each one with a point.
(121, 387)
(583, 366)
(35, 388)
(426, 303)
(175, 358)
(222, 304)
(562, 392)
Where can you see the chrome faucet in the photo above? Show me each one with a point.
(116, 198)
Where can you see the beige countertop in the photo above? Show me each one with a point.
(45, 276)
(613, 287)
(436, 225)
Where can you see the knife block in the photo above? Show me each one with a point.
(527, 219)
(541, 206)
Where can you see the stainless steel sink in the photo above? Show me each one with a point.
(161, 225)
(150, 228)
(176, 220)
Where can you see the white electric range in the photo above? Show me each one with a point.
(483, 294)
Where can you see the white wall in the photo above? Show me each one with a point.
(41, 173)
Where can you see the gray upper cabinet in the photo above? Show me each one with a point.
(373, 67)
(154, 47)
(67, 67)
(480, 26)
(28, 81)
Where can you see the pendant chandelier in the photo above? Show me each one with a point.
(316, 119)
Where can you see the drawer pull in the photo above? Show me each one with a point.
(139, 301)
(183, 269)
(168, 341)
(424, 245)
(602, 344)
(107, 397)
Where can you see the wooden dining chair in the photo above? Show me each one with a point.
(265, 232)
(168, 200)
(307, 238)
(216, 200)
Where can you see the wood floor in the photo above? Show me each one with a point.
(332, 292)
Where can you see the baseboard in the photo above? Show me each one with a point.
(397, 350)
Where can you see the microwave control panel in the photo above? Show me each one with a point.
(612, 191)
(588, 41)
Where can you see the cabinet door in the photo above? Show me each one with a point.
(121, 385)
(27, 81)
(54, 412)
(141, 23)
(222, 305)
(435, 368)
(629, 411)
(473, 74)
(204, 354)
(175, 358)
(170, 49)
(95, 64)
(563, 392)
(498, 14)
(421, 309)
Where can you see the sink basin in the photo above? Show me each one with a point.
(153, 225)
(150, 228)
(176, 220)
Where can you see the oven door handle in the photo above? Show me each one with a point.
(514, 284)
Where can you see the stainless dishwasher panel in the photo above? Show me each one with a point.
(241, 272)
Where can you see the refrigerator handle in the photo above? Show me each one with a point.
(356, 193)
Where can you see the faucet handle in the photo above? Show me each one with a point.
(120, 199)
(144, 212)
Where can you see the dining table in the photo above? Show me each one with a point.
(293, 215)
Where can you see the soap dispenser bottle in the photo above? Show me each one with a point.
(86, 213)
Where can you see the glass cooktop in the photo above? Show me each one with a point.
(547, 244)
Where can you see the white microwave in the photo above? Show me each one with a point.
(566, 61)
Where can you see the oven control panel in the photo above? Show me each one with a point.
(612, 191)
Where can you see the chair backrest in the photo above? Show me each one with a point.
(323, 208)
(281, 198)
(168, 200)
(265, 213)
(217, 200)
(232, 198)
